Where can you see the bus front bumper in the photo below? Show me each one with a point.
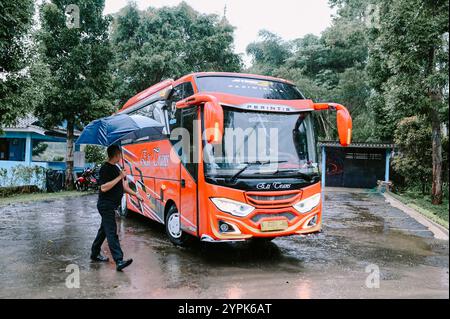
(244, 229)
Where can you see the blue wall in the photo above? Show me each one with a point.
(23, 155)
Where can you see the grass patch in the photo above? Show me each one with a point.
(422, 204)
(20, 198)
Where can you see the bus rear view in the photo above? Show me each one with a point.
(242, 160)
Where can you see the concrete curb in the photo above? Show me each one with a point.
(439, 231)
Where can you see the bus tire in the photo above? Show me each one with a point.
(173, 228)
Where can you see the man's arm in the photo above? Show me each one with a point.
(107, 186)
(128, 190)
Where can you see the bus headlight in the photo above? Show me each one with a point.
(307, 204)
(233, 207)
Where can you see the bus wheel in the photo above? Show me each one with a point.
(173, 228)
(123, 210)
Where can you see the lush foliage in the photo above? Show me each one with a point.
(412, 137)
(95, 154)
(155, 44)
(330, 67)
(15, 23)
(408, 69)
(77, 59)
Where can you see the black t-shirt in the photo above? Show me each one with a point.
(107, 173)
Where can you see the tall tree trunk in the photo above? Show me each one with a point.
(436, 189)
(435, 98)
(69, 155)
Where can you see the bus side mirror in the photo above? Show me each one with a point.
(344, 125)
(213, 115)
(343, 118)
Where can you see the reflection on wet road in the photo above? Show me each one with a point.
(39, 239)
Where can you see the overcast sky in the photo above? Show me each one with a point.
(288, 18)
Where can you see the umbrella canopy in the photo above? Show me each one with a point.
(120, 129)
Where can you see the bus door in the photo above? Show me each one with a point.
(131, 180)
(145, 187)
(189, 172)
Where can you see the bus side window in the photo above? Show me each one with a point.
(175, 96)
(159, 115)
(175, 121)
(146, 111)
(188, 90)
(178, 93)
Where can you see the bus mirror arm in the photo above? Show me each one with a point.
(197, 99)
(212, 114)
(343, 119)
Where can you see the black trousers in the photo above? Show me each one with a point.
(108, 230)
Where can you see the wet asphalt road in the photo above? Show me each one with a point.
(38, 240)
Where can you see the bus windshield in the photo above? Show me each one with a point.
(263, 144)
(249, 87)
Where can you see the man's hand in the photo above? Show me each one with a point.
(139, 197)
(123, 173)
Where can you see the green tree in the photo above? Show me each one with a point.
(76, 60)
(95, 154)
(329, 67)
(412, 137)
(16, 18)
(269, 53)
(408, 68)
(169, 42)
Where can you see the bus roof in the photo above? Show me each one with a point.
(167, 83)
(244, 75)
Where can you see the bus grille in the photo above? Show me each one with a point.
(258, 217)
(274, 199)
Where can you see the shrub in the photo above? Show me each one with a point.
(21, 175)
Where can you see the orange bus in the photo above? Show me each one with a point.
(237, 159)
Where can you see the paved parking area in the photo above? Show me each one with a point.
(362, 234)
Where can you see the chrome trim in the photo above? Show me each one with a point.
(209, 239)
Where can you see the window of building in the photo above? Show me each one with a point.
(12, 149)
(45, 151)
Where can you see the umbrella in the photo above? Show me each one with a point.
(120, 129)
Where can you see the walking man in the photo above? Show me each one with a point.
(112, 187)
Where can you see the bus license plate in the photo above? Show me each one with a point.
(274, 225)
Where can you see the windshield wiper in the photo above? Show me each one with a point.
(302, 175)
(233, 178)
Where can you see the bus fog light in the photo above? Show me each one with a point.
(224, 227)
(308, 204)
(233, 207)
(229, 228)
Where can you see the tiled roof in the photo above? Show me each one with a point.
(24, 122)
(30, 121)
